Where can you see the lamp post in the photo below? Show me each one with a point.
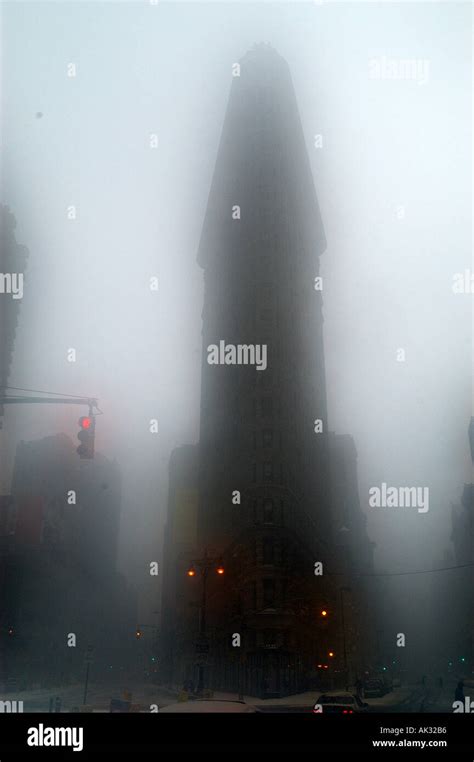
(205, 565)
(346, 671)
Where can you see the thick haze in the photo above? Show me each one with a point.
(165, 69)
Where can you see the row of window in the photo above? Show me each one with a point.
(266, 638)
(271, 474)
(268, 472)
(267, 438)
(268, 511)
(266, 596)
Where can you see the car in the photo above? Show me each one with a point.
(212, 706)
(375, 688)
(339, 702)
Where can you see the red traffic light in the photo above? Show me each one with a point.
(86, 436)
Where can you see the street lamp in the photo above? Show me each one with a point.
(205, 565)
(346, 671)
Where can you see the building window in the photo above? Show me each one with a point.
(254, 511)
(268, 549)
(268, 593)
(269, 639)
(266, 406)
(267, 438)
(254, 472)
(268, 511)
(268, 471)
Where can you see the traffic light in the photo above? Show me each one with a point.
(138, 633)
(86, 436)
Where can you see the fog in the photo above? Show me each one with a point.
(392, 173)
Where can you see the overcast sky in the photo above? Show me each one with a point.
(393, 181)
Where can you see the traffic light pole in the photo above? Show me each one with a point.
(205, 564)
(202, 627)
(49, 400)
(346, 669)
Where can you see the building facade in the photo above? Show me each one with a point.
(59, 533)
(264, 467)
(280, 617)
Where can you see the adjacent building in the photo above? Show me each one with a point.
(60, 528)
(463, 540)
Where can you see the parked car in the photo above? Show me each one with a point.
(375, 688)
(340, 702)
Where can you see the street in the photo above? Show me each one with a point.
(145, 698)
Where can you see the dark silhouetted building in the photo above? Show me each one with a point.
(266, 512)
(180, 612)
(265, 503)
(59, 572)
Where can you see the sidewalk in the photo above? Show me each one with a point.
(398, 696)
(98, 696)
